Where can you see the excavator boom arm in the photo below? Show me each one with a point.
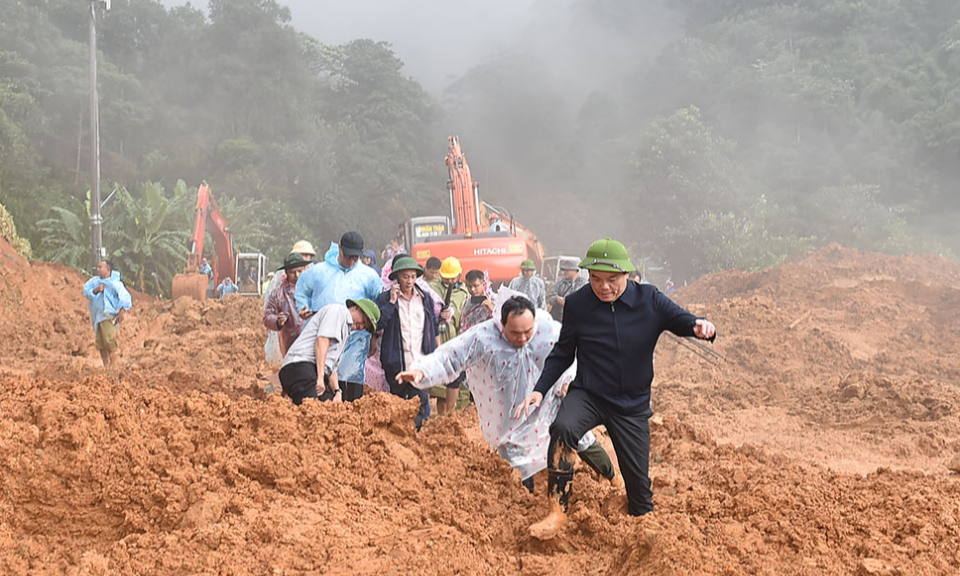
(206, 218)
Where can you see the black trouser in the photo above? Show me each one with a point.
(351, 391)
(579, 412)
(408, 391)
(299, 381)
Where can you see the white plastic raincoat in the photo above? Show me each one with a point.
(501, 376)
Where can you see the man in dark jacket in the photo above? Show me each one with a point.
(409, 325)
(611, 330)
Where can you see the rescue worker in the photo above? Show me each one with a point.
(530, 284)
(207, 270)
(338, 278)
(611, 331)
(280, 314)
(503, 357)
(107, 299)
(454, 296)
(409, 323)
(570, 283)
(227, 287)
(323, 342)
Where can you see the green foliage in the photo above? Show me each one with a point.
(66, 235)
(763, 128)
(145, 234)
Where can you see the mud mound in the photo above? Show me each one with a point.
(213, 346)
(822, 444)
(43, 315)
(842, 357)
(101, 477)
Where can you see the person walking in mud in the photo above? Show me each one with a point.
(479, 308)
(409, 322)
(280, 312)
(531, 285)
(338, 277)
(453, 395)
(503, 357)
(322, 343)
(570, 283)
(107, 298)
(611, 331)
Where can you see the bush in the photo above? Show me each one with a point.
(8, 231)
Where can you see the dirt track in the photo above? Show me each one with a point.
(821, 448)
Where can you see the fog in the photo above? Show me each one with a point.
(438, 40)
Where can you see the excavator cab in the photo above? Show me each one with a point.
(251, 270)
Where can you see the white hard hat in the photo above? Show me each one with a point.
(303, 247)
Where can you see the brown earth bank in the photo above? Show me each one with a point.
(821, 444)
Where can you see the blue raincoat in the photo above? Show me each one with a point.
(105, 305)
(328, 282)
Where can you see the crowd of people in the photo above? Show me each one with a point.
(542, 367)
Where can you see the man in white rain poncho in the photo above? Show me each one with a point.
(503, 358)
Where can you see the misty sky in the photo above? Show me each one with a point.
(438, 40)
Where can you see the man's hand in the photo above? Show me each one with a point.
(394, 292)
(529, 404)
(281, 320)
(446, 314)
(321, 387)
(119, 317)
(704, 329)
(488, 304)
(561, 300)
(304, 313)
(415, 376)
(99, 289)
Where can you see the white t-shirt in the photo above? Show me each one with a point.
(333, 322)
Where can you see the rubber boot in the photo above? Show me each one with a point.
(558, 491)
(528, 484)
(597, 458)
(599, 461)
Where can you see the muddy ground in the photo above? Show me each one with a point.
(822, 442)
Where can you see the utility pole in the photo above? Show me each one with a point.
(96, 220)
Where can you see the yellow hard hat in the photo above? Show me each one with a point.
(450, 268)
(303, 247)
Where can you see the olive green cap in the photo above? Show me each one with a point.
(528, 265)
(405, 263)
(607, 255)
(370, 310)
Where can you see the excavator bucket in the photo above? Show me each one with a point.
(190, 285)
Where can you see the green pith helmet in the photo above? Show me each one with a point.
(370, 310)
(528, 265)
(293, 260)
(405, 263)
(607, 255)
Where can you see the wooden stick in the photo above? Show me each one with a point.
(800, 319)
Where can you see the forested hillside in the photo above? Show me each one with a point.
(747, 131)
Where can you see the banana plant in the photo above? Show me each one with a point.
(147, 233)
(65, 236)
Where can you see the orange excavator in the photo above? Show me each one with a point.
(478, 234)
(206, 217)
